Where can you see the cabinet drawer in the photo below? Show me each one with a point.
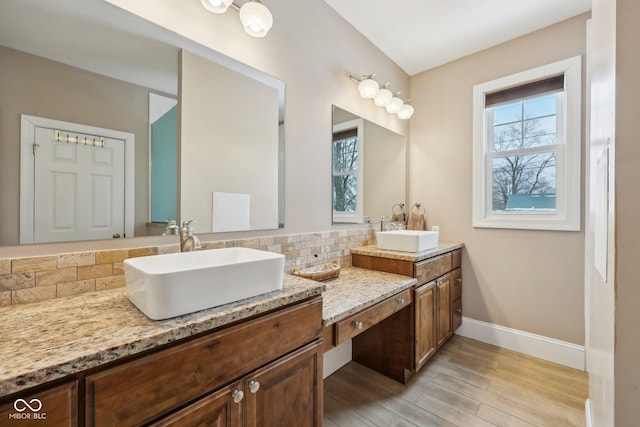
(456, 283)
(456, 258)
(57, 406)
(141, 390)
(360, 322)
(427, 270)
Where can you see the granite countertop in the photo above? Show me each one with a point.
(407, 256)
(358, 288)
(44, 341)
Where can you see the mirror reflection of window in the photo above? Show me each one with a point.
(368, 174)
(345, 171)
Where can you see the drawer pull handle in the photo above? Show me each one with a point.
(237, 395)
(400, 301)
(358, 325)
(459, 280)
(459, 310)
(254, 386)
(439, 282)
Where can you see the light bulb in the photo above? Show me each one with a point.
(368, 88)
(394, 105)
(216, 6)
(383, 97)
(256, 18)
(405, 112)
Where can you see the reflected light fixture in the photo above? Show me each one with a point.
(383, 97)
(255, 17)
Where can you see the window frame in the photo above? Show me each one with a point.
(350, 217)
(568, 153)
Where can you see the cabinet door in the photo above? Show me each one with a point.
(220, 409)
(57, 406)
(287, 392)
(425, 341)
(443, 310)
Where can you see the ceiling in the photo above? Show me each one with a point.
(422, 34)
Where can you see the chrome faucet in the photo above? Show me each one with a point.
(384, 225)
(171, 229)
(188, 242)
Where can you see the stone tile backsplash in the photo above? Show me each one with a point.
(30, 279)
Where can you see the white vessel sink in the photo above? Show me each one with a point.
(164, 286)
(407, 240)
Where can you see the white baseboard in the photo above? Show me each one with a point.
(561, 352)
(588, 414)
(336, 358)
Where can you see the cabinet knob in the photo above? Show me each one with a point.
(459, 280)
(439, 282)
(237, 395)
(400, 301)
(254, 386)
(358, 325)
(459, 310)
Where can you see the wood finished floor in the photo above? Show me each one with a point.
(467, 383)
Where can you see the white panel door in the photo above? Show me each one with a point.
(79, 189)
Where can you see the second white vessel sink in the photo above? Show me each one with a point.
(407, 240)
(164, 286)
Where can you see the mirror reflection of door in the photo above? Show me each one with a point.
(78, 184)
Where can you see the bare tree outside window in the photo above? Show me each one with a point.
(345, 167)
(521, 166)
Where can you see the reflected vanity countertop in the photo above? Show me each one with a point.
(48, 340)
(373, 250)
(357, 289)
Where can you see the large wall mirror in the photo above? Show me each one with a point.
(99, 139)
(368, 169)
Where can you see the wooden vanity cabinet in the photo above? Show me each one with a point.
(149, 388)
(285, 392)
(437, 312)
(51, 407)
(262, 371)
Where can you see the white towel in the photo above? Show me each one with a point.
(231, 212)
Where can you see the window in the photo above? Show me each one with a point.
(347, 172)
(527, 138)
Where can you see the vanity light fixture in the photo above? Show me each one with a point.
(405, 112)
(255, 17)
(383, 97)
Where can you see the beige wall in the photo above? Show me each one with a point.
(313, 50)
(384, 171)
(229, 142)
(627, 205)
(40, 87)
(527, 280)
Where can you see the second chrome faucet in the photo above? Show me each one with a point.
(188, 242)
